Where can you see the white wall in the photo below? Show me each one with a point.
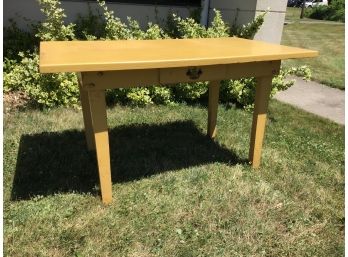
(242, 12)
(143, 13)
(272, 28)
(270, 31)
(239, 12)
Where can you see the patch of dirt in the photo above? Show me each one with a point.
(15, 101)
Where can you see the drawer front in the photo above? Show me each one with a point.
(254, 69)
(120, 79)
(192, 74)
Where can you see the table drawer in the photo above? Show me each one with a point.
(120, 79)
(192, 74)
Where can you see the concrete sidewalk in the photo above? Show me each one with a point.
(315, 98)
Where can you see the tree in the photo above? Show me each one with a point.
(302, 10)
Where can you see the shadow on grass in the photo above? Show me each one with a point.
(53, 162)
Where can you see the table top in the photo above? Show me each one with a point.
(81, 56)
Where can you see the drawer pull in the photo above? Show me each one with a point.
(194, 73)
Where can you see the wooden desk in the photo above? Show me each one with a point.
(129, 63)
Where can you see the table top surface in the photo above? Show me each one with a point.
(82, 56)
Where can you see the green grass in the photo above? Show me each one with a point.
(176, 193)
(328, 39)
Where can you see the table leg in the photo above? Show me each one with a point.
(263, 90)
(101, 137)
(214, 87)
(86, 110)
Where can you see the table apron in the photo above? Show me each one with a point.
(166, 76)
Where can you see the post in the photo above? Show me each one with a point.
(302, 9)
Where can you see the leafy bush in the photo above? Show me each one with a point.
(90, 27)
(161, 95)
(49, 90)
(242, 92)
(54, 28)
(17, 40)
(249, 30)
(44, 90)
(333, 12)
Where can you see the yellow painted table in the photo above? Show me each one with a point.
(129, 63)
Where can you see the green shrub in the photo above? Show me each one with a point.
(190, 91)
(44, 90)
(90, 27)
(189, 28)
(53, 28)
(333, 12)
(17, 40)
(242, 92)
(161, 95)
(139, 96)
(249, 30)
(114, 28)
(49, 90)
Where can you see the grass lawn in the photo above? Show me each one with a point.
(327, 38)
(176, 193)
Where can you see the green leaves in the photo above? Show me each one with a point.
(249, 30)
(54, 28)
(189, 28)
(242, 91)
(44, 90)
(332, 12)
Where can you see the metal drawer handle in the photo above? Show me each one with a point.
(194, 73)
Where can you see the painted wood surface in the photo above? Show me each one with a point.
(214, 89)
(101, 138)
(135, 78)
(81, 56)
(87, 119)
(263, 90)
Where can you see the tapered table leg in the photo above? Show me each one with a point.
(101, 137)
(86, 111)
(214, 87)
(263, 90)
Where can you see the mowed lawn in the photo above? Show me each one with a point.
(327, 38)
(176, 192)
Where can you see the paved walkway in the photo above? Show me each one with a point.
(315, 98)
